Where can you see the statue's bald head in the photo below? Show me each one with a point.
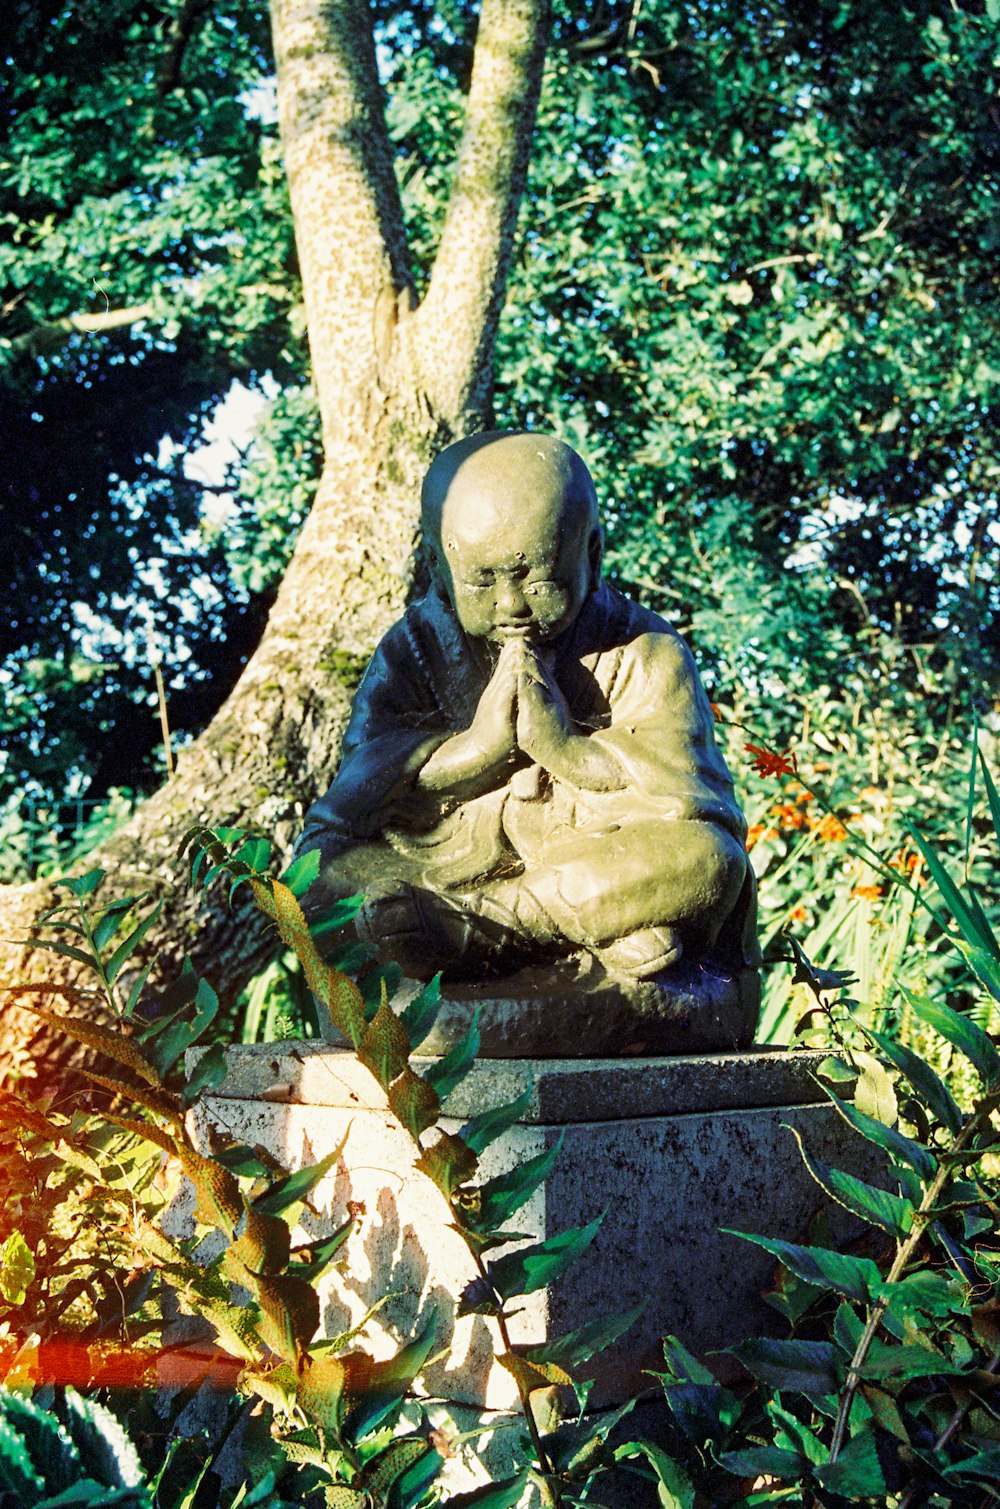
(515, 506)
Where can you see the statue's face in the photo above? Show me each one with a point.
(516, 560)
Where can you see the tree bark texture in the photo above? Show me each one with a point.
(395, 382)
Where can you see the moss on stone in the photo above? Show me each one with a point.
(344, 666)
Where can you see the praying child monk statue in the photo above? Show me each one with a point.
(530, 787)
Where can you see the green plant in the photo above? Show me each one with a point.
(73, 1452)
(564, 1455)
(833, 789)
(336, 1412)
(886, 1390)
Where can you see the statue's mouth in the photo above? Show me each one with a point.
(513, 631)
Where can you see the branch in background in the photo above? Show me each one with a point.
(52, 335)
(457, 323)
(179, 33)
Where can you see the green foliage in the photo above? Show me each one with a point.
(145, 260)
(756, 287)
(349, 1393)
(73, 1454)
(335, 1412)
(883, 1393)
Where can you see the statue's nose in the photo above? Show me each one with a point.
(511, 602)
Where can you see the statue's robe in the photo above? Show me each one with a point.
(631, 685)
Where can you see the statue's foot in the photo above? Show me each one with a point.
(423, 931)
(642, 954)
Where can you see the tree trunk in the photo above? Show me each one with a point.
(394, 384)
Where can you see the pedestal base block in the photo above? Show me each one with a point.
(670, 1149)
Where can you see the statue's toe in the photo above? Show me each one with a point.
(641, 954)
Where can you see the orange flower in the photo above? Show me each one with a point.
(768, 762)
(906, 860)
(798, 913)
(717, 712)
(788, 815)
(753, 833)
(868, 892)
(832, 830)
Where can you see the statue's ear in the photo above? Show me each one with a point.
(595, 555)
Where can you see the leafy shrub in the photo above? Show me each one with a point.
(886, 1390)
(74, 1452)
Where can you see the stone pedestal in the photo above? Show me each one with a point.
(672, 1148)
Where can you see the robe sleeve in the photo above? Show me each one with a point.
(394, 727)
(661, 732)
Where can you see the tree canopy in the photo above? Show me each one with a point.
(756, 287)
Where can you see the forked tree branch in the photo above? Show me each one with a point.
(457, 323)
(345, 198)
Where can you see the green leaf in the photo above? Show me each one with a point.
(382, 1470)
(82, 885)
(321, 1254)
(289, 1313)
(294, 1188)
(371, 983)
(970, 800)
(926, 1293)
(857, 1278)
(171, 999)
(885, 1411)
(970, 924)
(857, 1472)
(385, 1047)
(762, 1461)
(413, 1102)
(847, 1329)
(64, 950)
(902, 1148)
(923, 1079)
(138, 987)
(410, 1487)
(683, 1365)
(875, 1094)
(449, 1071)
(579, 1345)
(207, 1074)
(992, 794)
(961, 1032)
(983, 965)
(419, 1017)
(887, 1360)
(876, 1206)
(533, 1267)
(242, 1161)
(981, 1464)
(170, 1044)
(448, 1162)
(377, 1387)
(505, 1494)
(256, 853)
(125, 950)
(337, 916)
(301, 872)
(110, 920)
(320, 1392)
(802, 1367)
(674, 1489)
(502, 1196)
(489, 1125)
(17, 1269)
(793, 1435)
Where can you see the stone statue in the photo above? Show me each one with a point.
(530, 793)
